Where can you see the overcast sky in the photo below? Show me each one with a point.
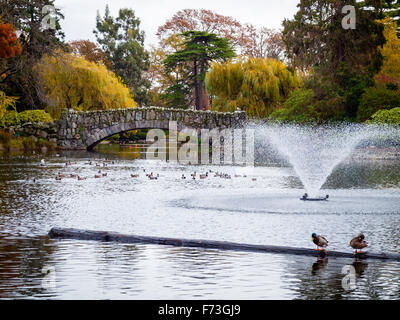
(80, 15)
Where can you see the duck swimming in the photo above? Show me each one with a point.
(319, 241)
(358, 243)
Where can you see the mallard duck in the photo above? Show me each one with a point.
(319, 241)
(204, 176)
(358, 243)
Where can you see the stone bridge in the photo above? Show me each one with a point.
(84, 130)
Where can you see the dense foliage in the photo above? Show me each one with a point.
(17, 75)
(9, 45)
(377, 98)
(390, 71)
(256, 85)
(90, 51)
(247, 39)
(6, 102)
(123, 43)
(303, 106)
(391, 116)
(200, 49)
(13, 118)
(73, 82)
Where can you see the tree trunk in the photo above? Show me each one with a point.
(196, 87)
(76, 234)
(204, 98)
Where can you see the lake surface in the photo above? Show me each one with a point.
(365, 197)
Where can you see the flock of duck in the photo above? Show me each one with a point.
(358, 243)
(151, 176)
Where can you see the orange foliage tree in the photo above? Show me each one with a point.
(246, 39)
(90, 51)
(9, 45)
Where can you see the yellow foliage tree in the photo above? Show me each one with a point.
(256, 85)
(5, 102)
(390, 71)
(73, 82)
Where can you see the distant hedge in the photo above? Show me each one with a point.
(13, 118)
(375, 99)
(387, 116)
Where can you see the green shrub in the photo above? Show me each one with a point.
(13, 118)
(303, 106)
(35, 116)
(10, 119)
(375, 99)
(115, 137)
(387, 116)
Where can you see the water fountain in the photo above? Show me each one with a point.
(315, 151)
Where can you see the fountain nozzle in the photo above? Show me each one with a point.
(307, 198)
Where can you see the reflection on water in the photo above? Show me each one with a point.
(365, 197)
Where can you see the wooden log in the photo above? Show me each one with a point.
(58, 233)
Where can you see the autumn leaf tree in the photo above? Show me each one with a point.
(20, 80)
(202, 20)
(246, 39)
(6, 102)
(90, 51)
(9, 48)
(9, 45)
(200, 49)
(73, 82)
(262, 43)
(390, 71)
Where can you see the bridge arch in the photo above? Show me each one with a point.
(84, 130)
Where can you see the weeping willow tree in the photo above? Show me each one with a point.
(5, 102)
(73, 82)
(256, 85)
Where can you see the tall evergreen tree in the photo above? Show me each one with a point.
(384, 9)
(123, 42)
(200, 49)
(343, 61)
(316, 38)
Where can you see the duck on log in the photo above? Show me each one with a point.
(75, 234)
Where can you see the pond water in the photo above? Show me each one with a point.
(364, 194)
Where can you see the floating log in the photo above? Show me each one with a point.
(75, 234)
